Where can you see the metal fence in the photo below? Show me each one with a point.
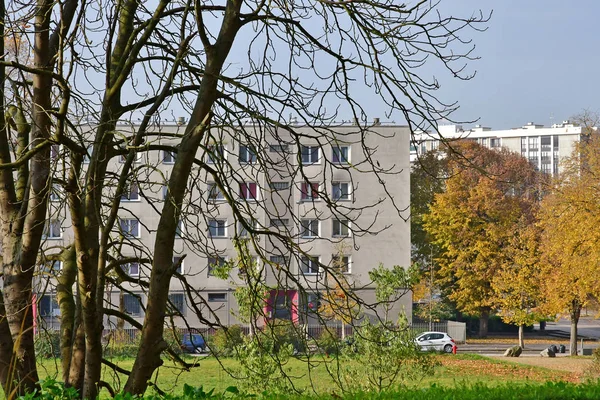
(457, 330)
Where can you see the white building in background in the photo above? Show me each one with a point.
(543, 146)
(276, 199)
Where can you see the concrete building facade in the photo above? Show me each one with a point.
(544, 147)
(342, 195)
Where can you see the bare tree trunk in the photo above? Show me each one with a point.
(575, 313)
(152, 343)
(121, 321)
(483, 323)
(77, 364)
(521, 336)
(66, 302)
(6, 350)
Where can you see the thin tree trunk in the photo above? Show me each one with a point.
(575, 313)
(77, 364)
(66, 302)
(6, 349)
(483, 323)
(521, 336)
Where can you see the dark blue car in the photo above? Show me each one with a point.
(193, 343)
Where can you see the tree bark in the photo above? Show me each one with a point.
(66, 302)
(483, 323)
(152, 343)
(575, 313)
(6, 350)
(521, 336)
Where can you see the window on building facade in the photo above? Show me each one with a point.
(177, 260)
(341, 228)
(130, 227)
(132, 304)
(131, 269)
(279, 260)
(313, 302)
(214, 192)
(180, 230)
(242, 231)
(130, 193)
(340, 155)
(52, 230)
(56, 192)
(217, 297)
(278, 148)
(279, 222)
(495, 143)
(310, 228)
(214, 262)
(276, 186)
(309, 265)
(309, 191)
(340, 190)
(247, 155)
(216, 153)
(54, 152)
(168, 157)
(217, 228)
(341, 264)
(177, 301)
(48, 306)
(310, 155)
(248, 191)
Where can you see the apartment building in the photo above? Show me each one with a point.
(340, 193)
(543, 146)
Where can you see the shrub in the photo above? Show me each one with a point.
(225, 340)
(329, 342)
(282, 333)
(47, 344)
(121, 343)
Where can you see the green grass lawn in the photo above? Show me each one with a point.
(209, 373)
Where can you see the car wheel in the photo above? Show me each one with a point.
(448, 348)
(198, 350)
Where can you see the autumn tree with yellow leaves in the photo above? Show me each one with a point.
(474, 221)
(570, 219)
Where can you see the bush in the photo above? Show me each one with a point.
(47, 344)
(281, 333)
(329, 342)
(225, 340)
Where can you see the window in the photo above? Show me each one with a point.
(55, 193)
(165, 191)
(180, 230)
(168, 157)
(216, 153)
(53, 229)
(341, 228)
(247, 155)
(242, 232)
(215, 262)
(123, 157)
(340, 190)
(278, 148)
(313, 301)
(276, 186)
(310, 154)
(309, 265)
(48, 306)
(132, 304)
(54, 152)
(52, 267)
(340, 155)
(341, 264)
(88, 154)
(131, 193)
(177, 260)
(131, 269)
(279, 260)
(217, 228)
(177, 301)
(495, 142)
(310, 228)
(214, 192)
(217, 297)
(130, 227)
(309, 191)
(248, 191)
(279, 222)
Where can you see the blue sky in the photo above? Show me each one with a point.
(539, 59)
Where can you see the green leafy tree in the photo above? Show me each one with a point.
(391, 284)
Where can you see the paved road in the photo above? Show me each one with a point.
(587, 327)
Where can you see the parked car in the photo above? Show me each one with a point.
(439, 341)
(193, 343)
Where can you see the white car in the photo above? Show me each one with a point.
(439, 341)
